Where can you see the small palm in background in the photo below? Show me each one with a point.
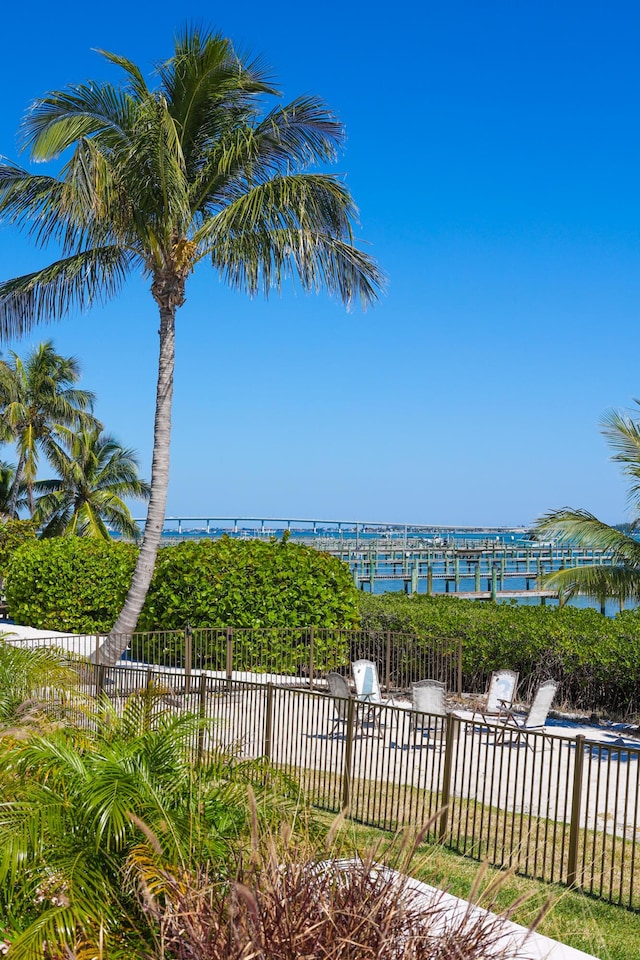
(40, 407)
(95, 473)
(619, 579)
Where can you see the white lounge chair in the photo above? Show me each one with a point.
(536, 717)
(368, 692)
(428, 702)
(365, 677)
(499, 696)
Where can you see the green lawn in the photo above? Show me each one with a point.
(608, 932)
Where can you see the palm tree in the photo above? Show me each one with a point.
(95, 474)
(618, 578)
(24, 675)
(39, 406)
(7, 476)
(160, 180)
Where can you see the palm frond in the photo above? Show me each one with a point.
(296, 226)
(261, 263)
(47, 294)
(584, 530)
(137, 83)
(598, 581)
(289, 138)
(57, 121)
(206, 83)
(623, 435)
(38, 205)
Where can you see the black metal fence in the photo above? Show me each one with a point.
(558, 808)
(304, 653)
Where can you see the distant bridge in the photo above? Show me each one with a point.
(315, 527)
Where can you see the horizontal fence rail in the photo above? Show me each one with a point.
(281, 655)
(304, 655)
(557, 808)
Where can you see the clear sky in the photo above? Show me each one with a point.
(494, 153)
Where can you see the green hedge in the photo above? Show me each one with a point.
(72, 583)
(249, 583)
(13, 533)
(596, 659)
(80, 585)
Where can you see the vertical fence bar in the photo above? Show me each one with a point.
(101, 678)
(202, 712)
(446, 776)
(268, 723)
(574, 825)
(348, 754)
(229, 663)
(459, 668)
(311, 656)
(387, 663)
(188, 656)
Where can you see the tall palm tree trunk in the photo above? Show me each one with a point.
(112, 648)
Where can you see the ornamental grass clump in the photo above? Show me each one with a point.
(284, 905)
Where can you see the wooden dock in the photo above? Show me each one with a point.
(498, 564)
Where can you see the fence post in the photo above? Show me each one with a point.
(574, 823)
(148, 697)
(101, 678)
(387, 664)
(348, 754)
(311, 655)
(202, 711)
(451, 731)
(268, 723)
(229, 665)
(188, 656)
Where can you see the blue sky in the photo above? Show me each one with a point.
(494, 153)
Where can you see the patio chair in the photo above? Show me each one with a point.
(339, 690)
(536, 717)
(365, 677)
(499, 696)
(368, 693)
(428, 698)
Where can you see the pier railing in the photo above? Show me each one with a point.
(558, 808)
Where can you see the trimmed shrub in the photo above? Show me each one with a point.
(249, 583)
(69, 583)
(80, 585)
(13, 533)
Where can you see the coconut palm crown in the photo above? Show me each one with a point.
(94, 475)
(158, 180)
(40, 407)
(618, 578)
